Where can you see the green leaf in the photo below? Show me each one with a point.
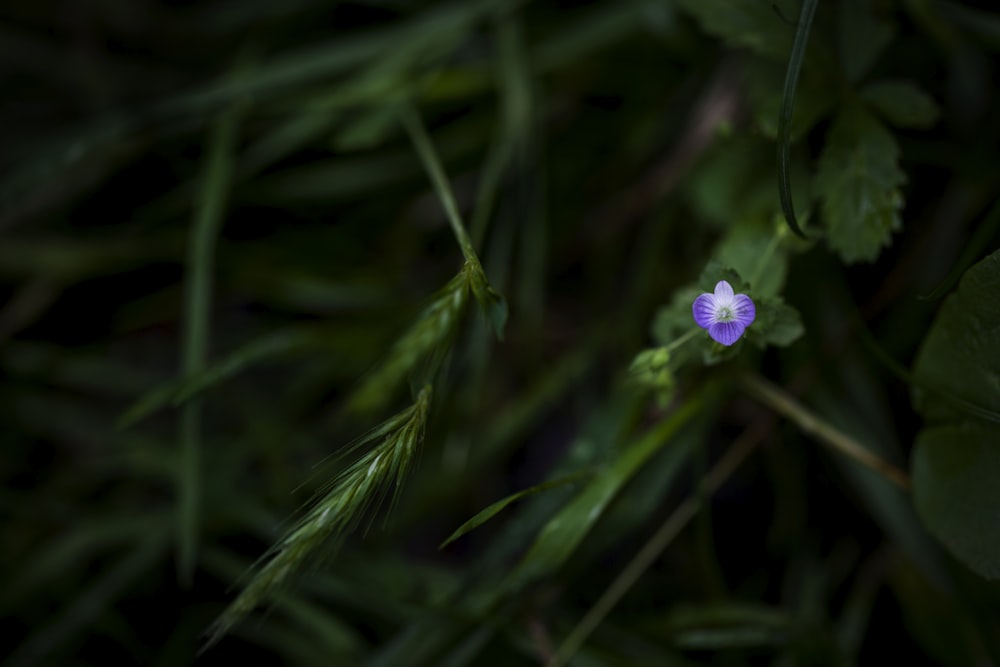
(902, 103)
(754, 251)
(815, 98)
(749, 24)
(177, 392)
(959, 354)
(861, 37)
(777, 324)
(491, 302)
(955, 472)
(673, 320)
(858, 185)
(651, 369)
(497, 507)
(957, 458)
(564, 532)
(728, 186)
(367, 130)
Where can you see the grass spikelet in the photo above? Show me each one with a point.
(362, 486)
(431, 333)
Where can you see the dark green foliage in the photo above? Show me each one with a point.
(858, 183)
(957, 457)
(245, 242)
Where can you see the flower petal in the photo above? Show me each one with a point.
(723, 293)
(726, 333)
(704, 310)
(744, 310)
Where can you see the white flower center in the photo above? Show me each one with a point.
(725, 314)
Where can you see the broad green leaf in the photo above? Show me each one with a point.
(957, 457)
(955, 473)
(861, 37)
(901, 103)
(858, 185)
(959, 354)
(494, 509)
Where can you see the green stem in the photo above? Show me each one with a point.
(425, 149)
(779, 233)
(782, 402)
(688, 335)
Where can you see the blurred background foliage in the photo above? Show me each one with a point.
(293, 292)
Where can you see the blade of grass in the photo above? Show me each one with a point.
(491, 302)
(494, 509)
(660, 540)
(208, 218)
(785, 115)
(567, 529)
(428, 156)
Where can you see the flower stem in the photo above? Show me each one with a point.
(779, 234)
(780, 401)
(685, 337)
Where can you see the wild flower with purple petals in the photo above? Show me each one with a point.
(726, 315)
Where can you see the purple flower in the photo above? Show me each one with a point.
(724, 314)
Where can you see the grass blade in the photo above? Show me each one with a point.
(197, 306)
(494, 509)
(785, 115)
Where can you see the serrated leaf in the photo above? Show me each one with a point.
(858, 184)
(902, 103)
(715, 271)
(777, 324)
(957, 460)
(494, 509)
